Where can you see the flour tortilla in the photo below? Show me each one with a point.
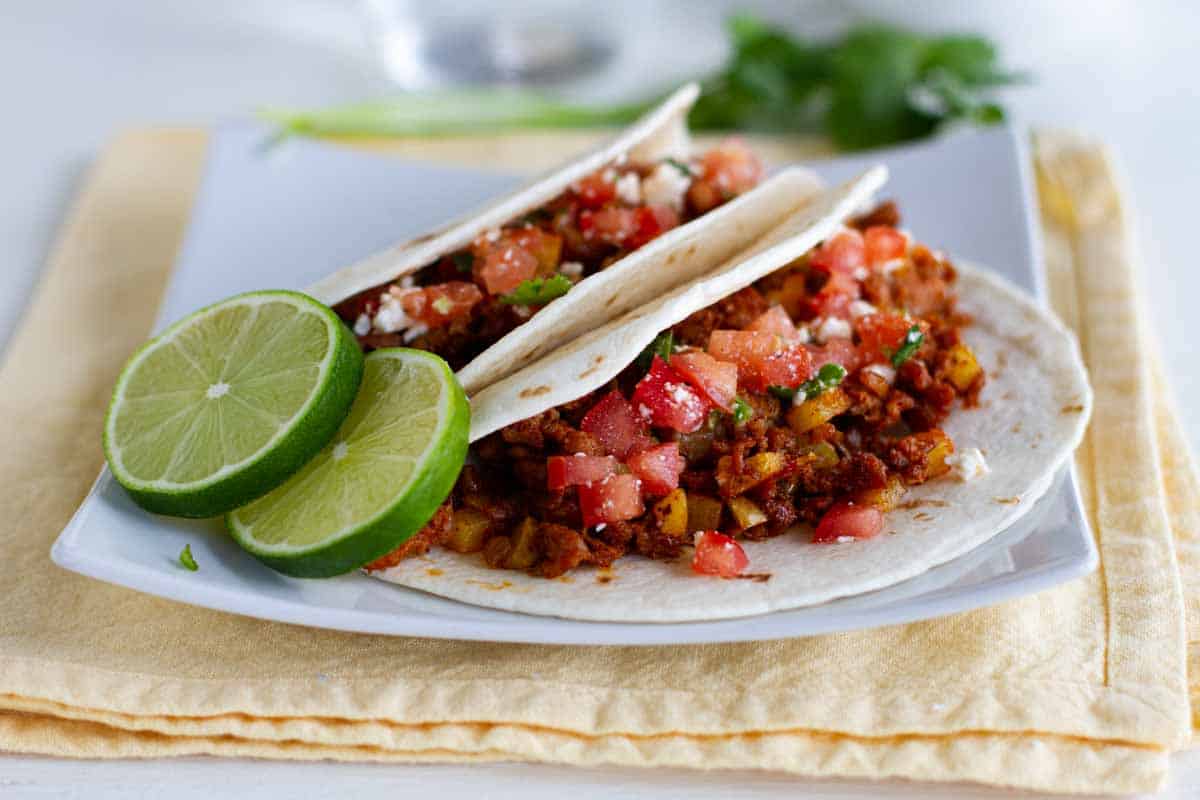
(678, 256)
(1032, 415)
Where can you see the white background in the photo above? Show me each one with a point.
(74, 73)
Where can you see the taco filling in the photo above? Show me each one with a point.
(467, 300)
(815, 395)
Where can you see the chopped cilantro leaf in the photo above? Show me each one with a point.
(827, 377)
(186, 559)
(463, 260)
(679, 165)
(538, 291)
(742, 411)
(783, 392)
(662, 346)
(912, 340)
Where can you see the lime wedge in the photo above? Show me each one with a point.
(227, 403)
(378, 481)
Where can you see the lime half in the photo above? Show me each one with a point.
(228, 402)
(380, 479)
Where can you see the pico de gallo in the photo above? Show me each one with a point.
(460, 305)
(814, 396)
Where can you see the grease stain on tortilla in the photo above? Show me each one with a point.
(908, 505)
(605, 575)
(534, 391)
(492, 587)
(1074, 408)
(1006, 501)
(565, 579)
(433, 572)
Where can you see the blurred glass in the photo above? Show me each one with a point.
(425, 44)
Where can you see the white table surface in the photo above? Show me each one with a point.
(74, 73)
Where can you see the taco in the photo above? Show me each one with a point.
(594, 239)
(834, 411)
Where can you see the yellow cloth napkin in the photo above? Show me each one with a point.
(1080, 688)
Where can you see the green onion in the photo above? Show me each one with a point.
(912, 340)
(662, 346)
(538, 291)
(783, 392)
(742, 411)
(827, 377)
(186, 559)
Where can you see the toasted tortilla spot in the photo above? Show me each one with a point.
(604, 578)
(757, 577)
(1074, 408)
(534, 391)
(908, 505)
(492, 587)
(1006, 501)
(434, 572)
(922, 516)
(596, 362)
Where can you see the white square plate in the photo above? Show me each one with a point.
(283, 218)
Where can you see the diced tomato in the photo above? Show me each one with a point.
(849, 520)
(833, 299)
(613, 499)
(614, 423)
(652, 222)
(438, 304)
(610, 225)
(725, 172)
(789, 367)
(502, 265)
(775, 320)
(744, 348)
(835, 351)
(546, 247)
(716, 380)
(658, 468)
(595, 190)
(883, 244)
(666, 400)
(564, 471)
(880, 335)
(841, 252)
(718, 554)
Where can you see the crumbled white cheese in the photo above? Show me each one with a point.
(524, 312)
(362, 325)
(861, 273)
(833, 328)
(891, 266)
(572, 269)
(860, 308)
(601, 527)
(492, 235)
(414, 332)
(666, 186)
(968, 464)
(391, 317)
(802, 335)
(609, 175)
(629, 189)
(407, 282)
(844, 539)
(885, 371)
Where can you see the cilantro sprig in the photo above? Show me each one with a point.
(743, 412)
(662, 346)
(875, 85)
(538, 291)
(827, 377)
(912, 342)
(679, 165)
(186, 560)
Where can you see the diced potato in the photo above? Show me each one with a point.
(962, 368)
(671, 513)
(938, 446)
(468, 531)
(823, 455)
(818, 410)
(525, 551)
(886, 498)
(746, 512)
(703, 513)
(495, 554)
(763, 465)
